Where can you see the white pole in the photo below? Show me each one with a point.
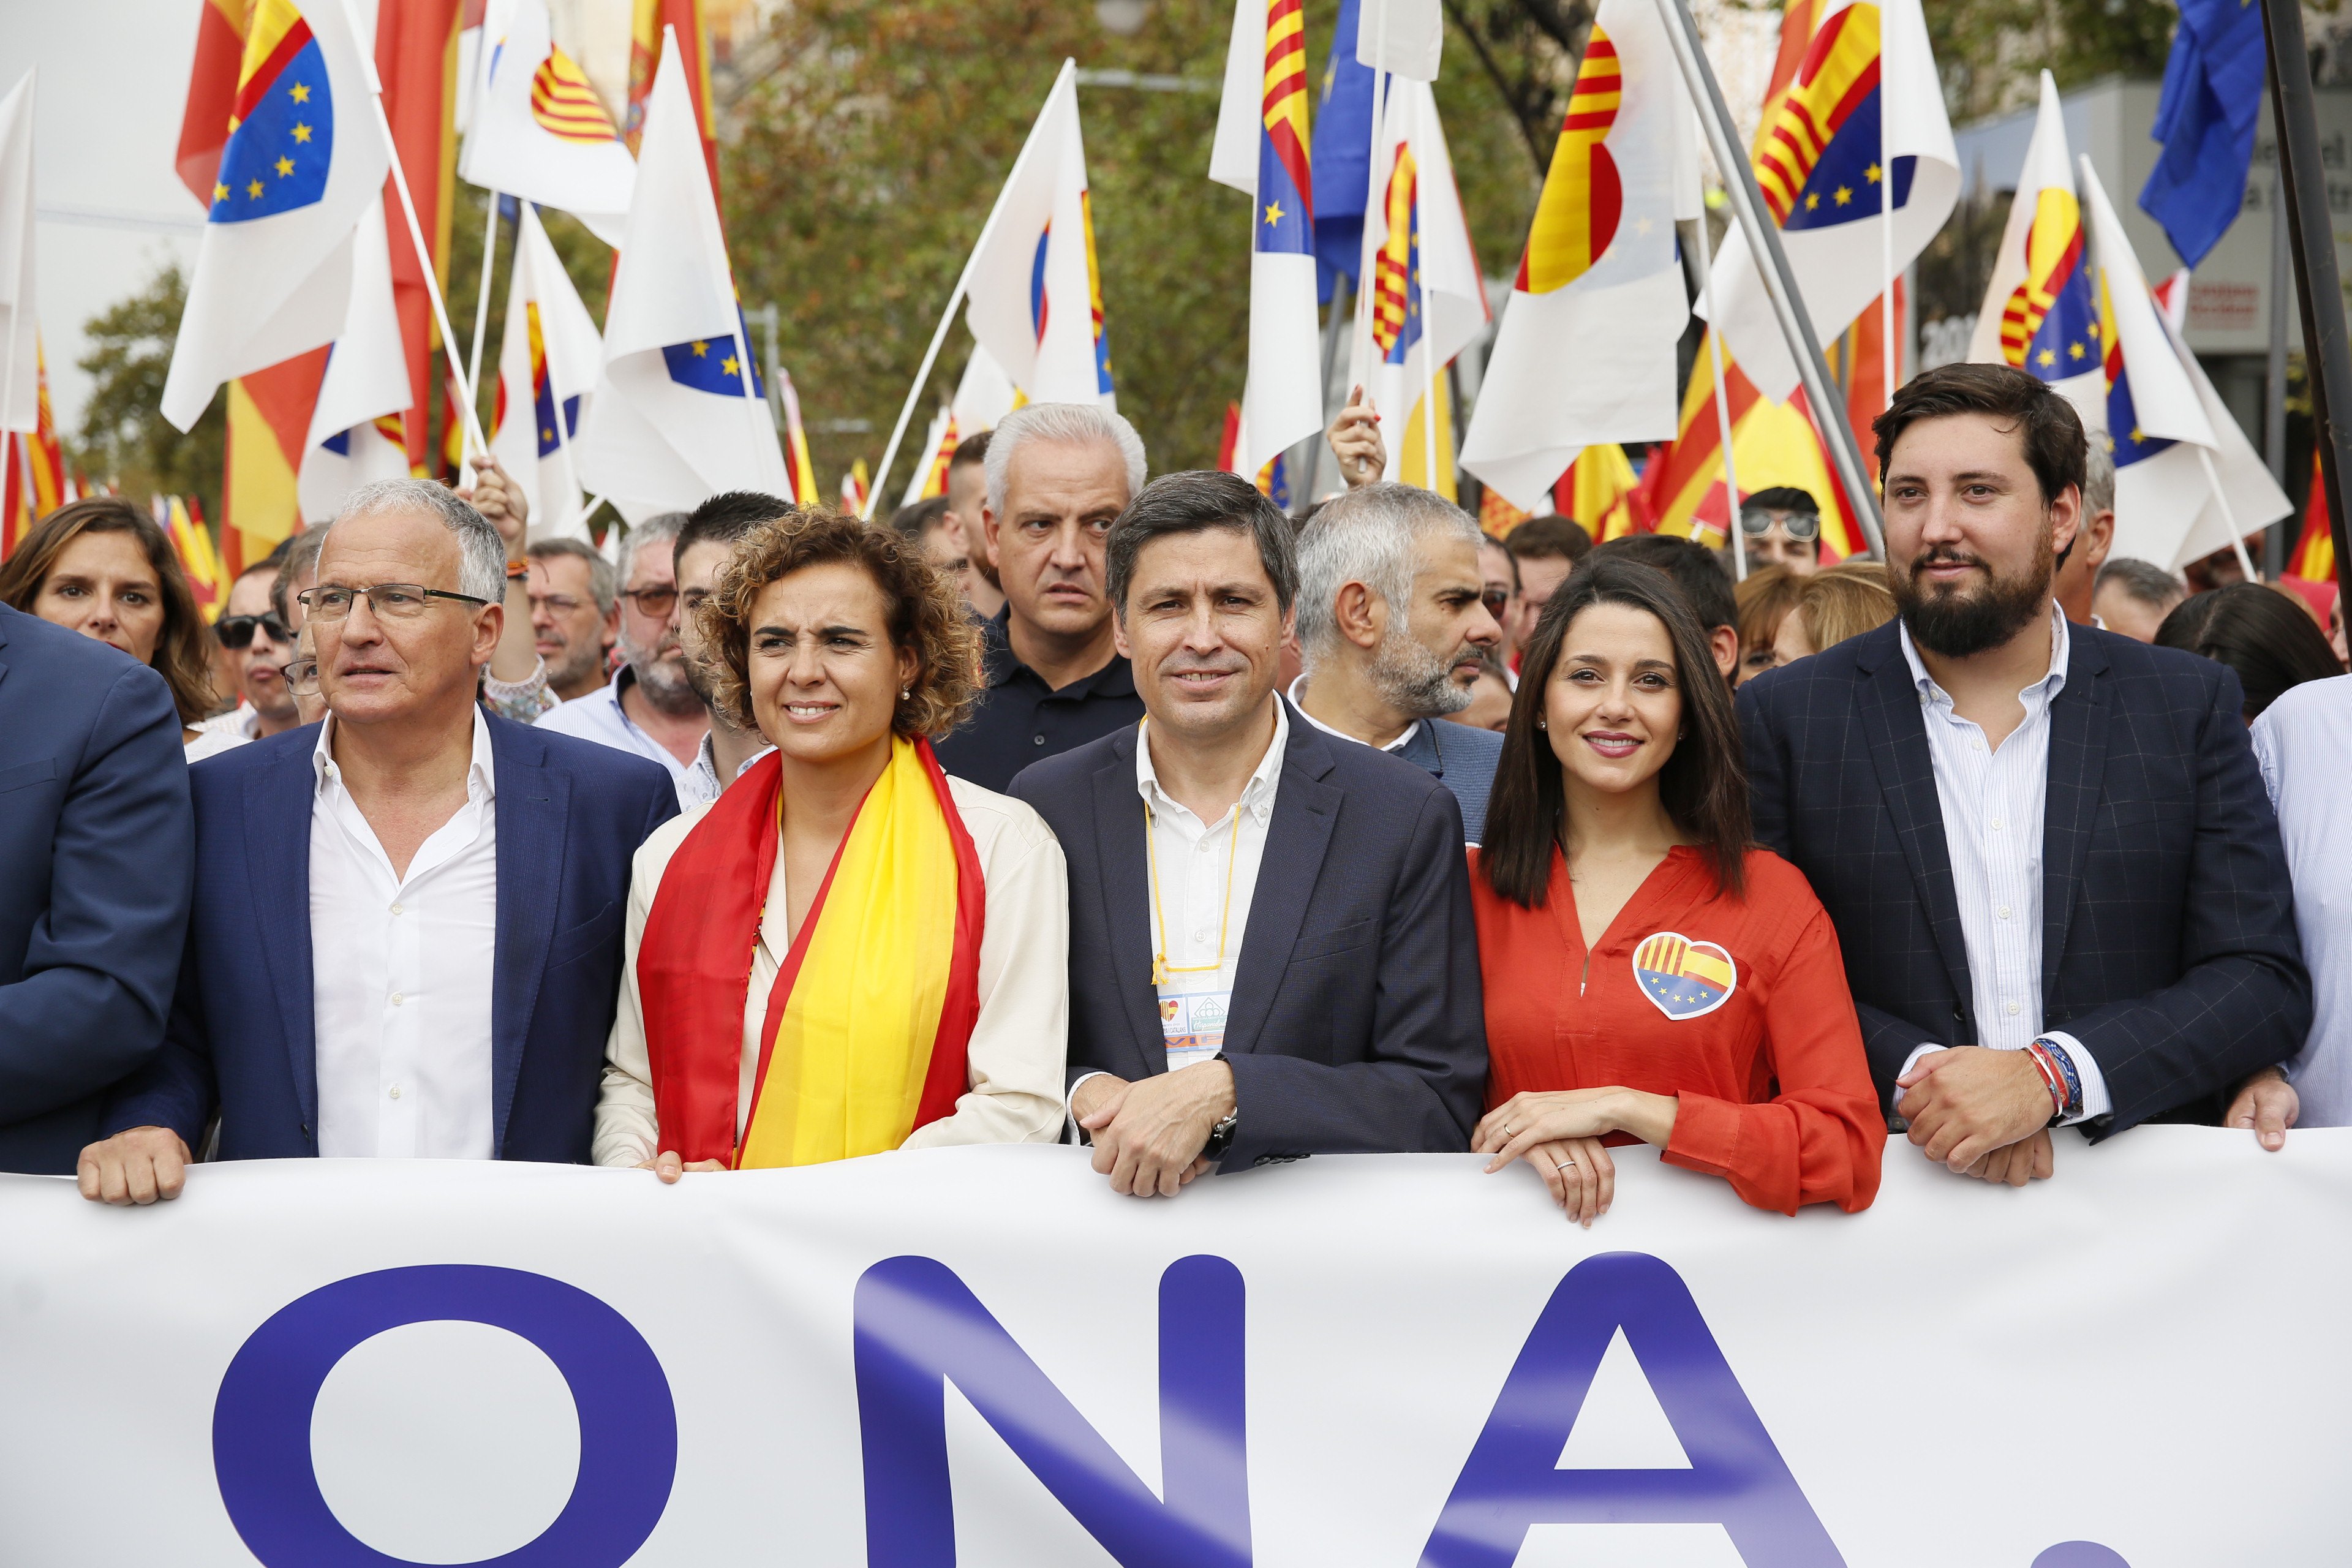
(1722, 399)
(947, 319)
(472, 440)
(1421, 297)
(1360, 339)
(1886, 239)
(2229, 515)
(482, 294)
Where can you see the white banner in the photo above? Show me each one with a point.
(983, 1357)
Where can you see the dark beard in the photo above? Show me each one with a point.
(1958, 624)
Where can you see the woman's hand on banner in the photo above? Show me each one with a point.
(669, 1164)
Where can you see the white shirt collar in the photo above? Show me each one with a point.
(2046, 689)
(482, 775)
(1298, 701)
(1257, 796)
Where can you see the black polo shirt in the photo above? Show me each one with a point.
(1020, 719)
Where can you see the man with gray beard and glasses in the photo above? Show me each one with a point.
(1391, 620)
(649, 708)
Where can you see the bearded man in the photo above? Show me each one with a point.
(2054, 870)
(1391, 621)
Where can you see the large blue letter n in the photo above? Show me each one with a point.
(919, 1326)
(1736, 1477)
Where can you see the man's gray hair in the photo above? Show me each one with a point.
(481, 553)
(2099, 478)
(1368, 536)
(660, 529)
(2149, 584)
(301, 561)
(603, 582)
(1068, 424)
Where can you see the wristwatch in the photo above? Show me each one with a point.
(1221, 1137)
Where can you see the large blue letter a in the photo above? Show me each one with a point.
(919, 1326)
(1736, 1477)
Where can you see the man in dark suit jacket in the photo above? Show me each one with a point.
(96, 846)
(408, 932)
(2032, 836)
(1281, 918)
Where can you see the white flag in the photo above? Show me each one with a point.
(1585, 352)
(20, 325)
(985, 394)
(356, 434)
(1404, 37)
(2039, 313)
(273, 274)
(1033, 295)
(681, 412)
(547, 362)
(538, 130)
(1818, 162)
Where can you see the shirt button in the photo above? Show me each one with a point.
(397, 998)
(2004, 911)
(395, 1092)
(1037, 739)
(398, 911)
(1995, 824)
(2009, 1008)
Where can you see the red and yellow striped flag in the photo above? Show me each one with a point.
(2313, 558)
(1600, 492)
(192, 542)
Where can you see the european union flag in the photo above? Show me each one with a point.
(278, 157)
(709, 365)
(1343, 153)
(2212, 92)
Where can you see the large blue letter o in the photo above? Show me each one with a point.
(261, 1421)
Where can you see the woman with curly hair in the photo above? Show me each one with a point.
(908, 935)
(102, 568)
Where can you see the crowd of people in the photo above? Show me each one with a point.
(1074, 806)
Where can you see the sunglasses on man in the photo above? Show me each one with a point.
(236, 632)
(1802, 526)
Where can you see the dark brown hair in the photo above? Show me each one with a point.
(2043, 420)
(1703, 785)
(1551, 538)
(924, 615)
(2258, 629)
(183, 653)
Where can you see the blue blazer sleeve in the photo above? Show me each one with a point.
(2243, 999)
(1421, 1088)
(99, 967)
(176, 1088)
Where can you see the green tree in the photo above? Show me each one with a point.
(124, 440)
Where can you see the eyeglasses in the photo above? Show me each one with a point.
(389, 600)
(1802, 526)
(301, 676)
(1497, 601)
(560, 604)
(236, 632)
(652, 603)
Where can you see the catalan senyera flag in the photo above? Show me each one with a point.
(2040, 314)
(2313, 556)
(183, 523)
(541, 132)
(1260, 148)
(1585, 353)
(1682, 491)
(1818, 162)
(1601, 492)
(647, 18)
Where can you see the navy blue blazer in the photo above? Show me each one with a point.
(1465, 759)
(96, 856)
(1358, 1023)
(570, 814)
(2168, 944)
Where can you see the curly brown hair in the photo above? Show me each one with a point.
(924, 614)
(183, 653)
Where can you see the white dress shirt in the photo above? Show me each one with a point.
(600, 717)
(2303, 742)
(1298, 701)
(1016, 1058)
(1992, 800)
(400, 971)
(700, 784)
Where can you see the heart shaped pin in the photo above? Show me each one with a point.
(1686, 979)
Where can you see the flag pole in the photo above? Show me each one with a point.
(1885, 242)
(2229, 514)
(1722, 400)
(1772, 261)
(947, 317)
(472, 440)
(482, 293)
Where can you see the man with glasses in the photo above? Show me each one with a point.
(576, 614)
(1499, 575)
(260, 645)
(406, 941)
(1783, 528)
(648, 709)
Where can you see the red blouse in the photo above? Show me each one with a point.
(1738, 1006)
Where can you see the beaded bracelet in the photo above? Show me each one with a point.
(2066, 1060)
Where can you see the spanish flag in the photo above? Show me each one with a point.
(648, 19)
(1600, 492)
(2313, 558)
(192, 542)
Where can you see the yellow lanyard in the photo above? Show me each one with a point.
(1160, 968)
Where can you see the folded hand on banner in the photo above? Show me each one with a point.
(1149, 1136)
(136, 1166)
(1560, 1134)
(1965, 1103)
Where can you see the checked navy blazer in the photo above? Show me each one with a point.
(570, 816)
(1357, 1022)
(2168, 944)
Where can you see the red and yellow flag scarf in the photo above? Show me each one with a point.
(873, 1007)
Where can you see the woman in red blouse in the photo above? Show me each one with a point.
(1649, 975)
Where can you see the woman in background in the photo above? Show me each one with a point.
(1765, 600)
(1843, 602)
(101, 567)
(2261, 631)
(1651, 975)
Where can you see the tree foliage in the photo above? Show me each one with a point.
(123, 438)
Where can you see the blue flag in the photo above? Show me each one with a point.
(1342, 154)
(2212, 95)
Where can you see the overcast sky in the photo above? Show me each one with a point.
(113, 78)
